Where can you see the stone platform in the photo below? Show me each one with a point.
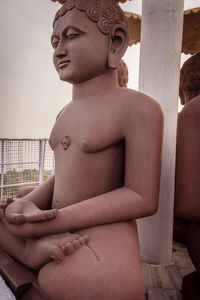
(165, 282)
(21, 280)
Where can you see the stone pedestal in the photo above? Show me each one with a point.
(21, 280)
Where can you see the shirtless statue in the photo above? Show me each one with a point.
(187, 188)
(78, 228)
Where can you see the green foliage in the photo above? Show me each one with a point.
(14, 177)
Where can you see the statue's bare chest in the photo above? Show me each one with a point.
(89, 128)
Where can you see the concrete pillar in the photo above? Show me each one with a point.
(161, 37)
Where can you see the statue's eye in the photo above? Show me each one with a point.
(55, 43)
(72, 36)
(71, 33)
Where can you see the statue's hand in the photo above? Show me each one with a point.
(21, 211)
(3, 204)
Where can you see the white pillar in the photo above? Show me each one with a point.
(161, 37)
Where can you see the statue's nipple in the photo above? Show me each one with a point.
(66, 141)
(84, 144)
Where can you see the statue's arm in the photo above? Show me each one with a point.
(138, 197)
(43, 194)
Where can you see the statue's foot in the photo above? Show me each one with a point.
(40, 251)
(58, 252)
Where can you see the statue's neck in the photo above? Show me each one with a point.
(95, 86)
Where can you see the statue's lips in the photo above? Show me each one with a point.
(62, 64)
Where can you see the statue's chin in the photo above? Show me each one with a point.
(71, 76)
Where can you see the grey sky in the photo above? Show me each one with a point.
(31, 93)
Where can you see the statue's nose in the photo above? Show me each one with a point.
(60, 53)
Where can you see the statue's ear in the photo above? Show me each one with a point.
(117, 46)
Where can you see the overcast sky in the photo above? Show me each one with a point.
(31, 93)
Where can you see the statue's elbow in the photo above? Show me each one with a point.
(153, 208)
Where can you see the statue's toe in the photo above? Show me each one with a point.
(68, 248)
(56, 253)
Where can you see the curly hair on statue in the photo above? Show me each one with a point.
(106, 13)
(190, 75)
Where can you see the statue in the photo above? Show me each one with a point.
(122, 74)
(188, 142)
(78, 228)
(187, 189)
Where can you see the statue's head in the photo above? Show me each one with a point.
(190, 79)
(89, 37)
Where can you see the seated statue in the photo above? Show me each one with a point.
(78, 228)
(187, 193)
(187, 187)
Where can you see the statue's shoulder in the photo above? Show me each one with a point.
(138, 103)
(62, 110)
(192, 107)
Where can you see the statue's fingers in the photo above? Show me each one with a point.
(34, 217)
(43, 215)
(19, 219)
(50, 214)
(16, 218)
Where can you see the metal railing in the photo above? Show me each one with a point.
(24, 162)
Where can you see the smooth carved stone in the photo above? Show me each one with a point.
(76, 244)
(66, 142)
(84, 143)
(57, 204)
(56, 253)
(68, 249)
(88, 189)
(87, 238)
